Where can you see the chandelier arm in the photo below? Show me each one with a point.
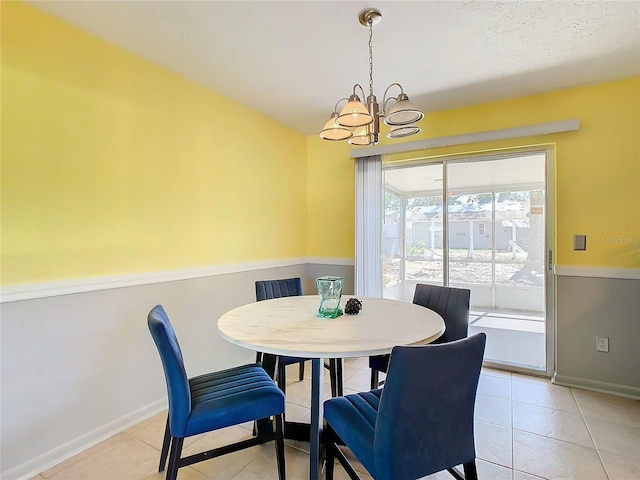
(335, 109)
(384, 105)
(364, 97)
(384, 98)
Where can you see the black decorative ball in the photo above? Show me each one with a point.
(353, 306)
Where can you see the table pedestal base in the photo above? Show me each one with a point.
(303, 432)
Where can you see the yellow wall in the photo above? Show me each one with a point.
(597, 167)
(331, 199)
(111, 164)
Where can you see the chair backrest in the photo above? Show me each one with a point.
(452, 304)
(286, 287)
(174, 372)
(425, 416)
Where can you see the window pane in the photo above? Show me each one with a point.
(391, 241)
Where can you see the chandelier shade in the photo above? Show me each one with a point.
(399, 131)
(334, 132)
(354, 114)
(361, 136)
(358, 122)
(403, 112)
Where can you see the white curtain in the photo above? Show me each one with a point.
(369, 211)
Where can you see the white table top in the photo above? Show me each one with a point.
(289, 326)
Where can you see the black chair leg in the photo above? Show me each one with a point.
(174, 457)
(455, 473)
(335, 372)
(330, 458)
(374, 379)
(301, 372)
(339, 381)
(280, 447)
(282, 378)
(165, 446)
(332, 376)
(334, 453)
(470, 471)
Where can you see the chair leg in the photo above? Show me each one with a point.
(174, 457)
(165, 446)
(330, 458)
(335, 372)
(340, 456)
(332, 376)
(282, 378)
(470, 471)
(456, 474)
(301, 372)
(339, 380)
(374, 379)
(280, 447)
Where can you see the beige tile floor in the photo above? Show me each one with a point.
(526, 429)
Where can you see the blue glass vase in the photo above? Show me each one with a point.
(330, 291)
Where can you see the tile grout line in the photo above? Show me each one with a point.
(575, 395)
(593, 440)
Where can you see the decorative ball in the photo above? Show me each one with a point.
(353, 306)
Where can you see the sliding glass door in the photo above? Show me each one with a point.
(476, 223)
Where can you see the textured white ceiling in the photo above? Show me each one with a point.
(293, 60)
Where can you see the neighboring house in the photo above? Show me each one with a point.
(471, 227)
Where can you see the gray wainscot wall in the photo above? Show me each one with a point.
(80, 367)
(590, 307)
(78, 363)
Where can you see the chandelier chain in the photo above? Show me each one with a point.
(370, 57)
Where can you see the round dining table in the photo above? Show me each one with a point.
(289, 326)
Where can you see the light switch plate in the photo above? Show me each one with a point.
(579, 242)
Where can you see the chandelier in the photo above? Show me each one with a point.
(359, 124)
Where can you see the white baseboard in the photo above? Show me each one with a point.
(597, 386)
(42, 462)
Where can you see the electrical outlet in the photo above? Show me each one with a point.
(602, 344)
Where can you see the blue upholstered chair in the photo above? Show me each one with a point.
(452, 304)
(212, 401)
(420, 423)
(289, 287)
